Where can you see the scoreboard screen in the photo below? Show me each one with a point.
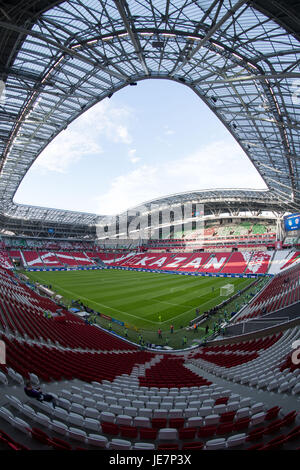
(292, 222)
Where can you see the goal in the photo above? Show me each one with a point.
(226, 290)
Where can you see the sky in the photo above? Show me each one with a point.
(150, 140)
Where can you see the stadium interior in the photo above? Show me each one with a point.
(149, 342)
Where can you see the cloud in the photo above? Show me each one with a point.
(132, 157)
(103, 121)
(217, 165)
(168, 131)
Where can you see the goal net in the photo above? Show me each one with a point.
(226, 290)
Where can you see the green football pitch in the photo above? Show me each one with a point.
(142, 299)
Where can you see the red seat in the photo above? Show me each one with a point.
(275, 443)
(273, 427)
(110, 428)
(176, 423)
(256, 447)
(159, 423)
(207, 431)
(289, 418)
(293, 434)
(256, 434)
(224, 428)
(129, 431)
(39, 435)
(272, 413)
(193, 446)
(221, 401)
(59, 444)
(168, 447)
(187, 433)
(148, 433)
(242, 423)
(227, 417)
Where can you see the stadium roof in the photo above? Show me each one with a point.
(241, 57)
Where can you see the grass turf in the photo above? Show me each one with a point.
(145, 300)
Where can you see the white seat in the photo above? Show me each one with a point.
(64, 403)
(92, 413)
(131, 411)
(138, 404)
(28, 411)
(219, 409)
(20, 424)
(119, 444)
(175, 413)
(59, 427)
(96, 440)
(45, 406)
(34, 379)
(232, 406)
(194, 421)
(145, 412)
(159, 413)
(124, 420)
(244, 402)
(90, 423)
(284, 387)
(66, 394)
(77, 408)
(18, 378)
(43, 419)
(296, 389)
(141, 422)
(257, 418)
(110, 400)
(208, 402)
(168, 434)
(6, 414)
(124, 402)
(76, 398)
(212, 419)
(143, 446)
(107, 417)
(115, 409)
(101, 406)
(216, 444)
(76, 419)
(156, 399)
(77, 434)
(89, 402)
(179, 406)
(189, 412)
(205, 411)
(153, 405)
(3, 379)
(14, 401)
(236, 440)
(242, 413)
(60, 413)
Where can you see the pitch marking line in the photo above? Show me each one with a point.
(103, 305)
